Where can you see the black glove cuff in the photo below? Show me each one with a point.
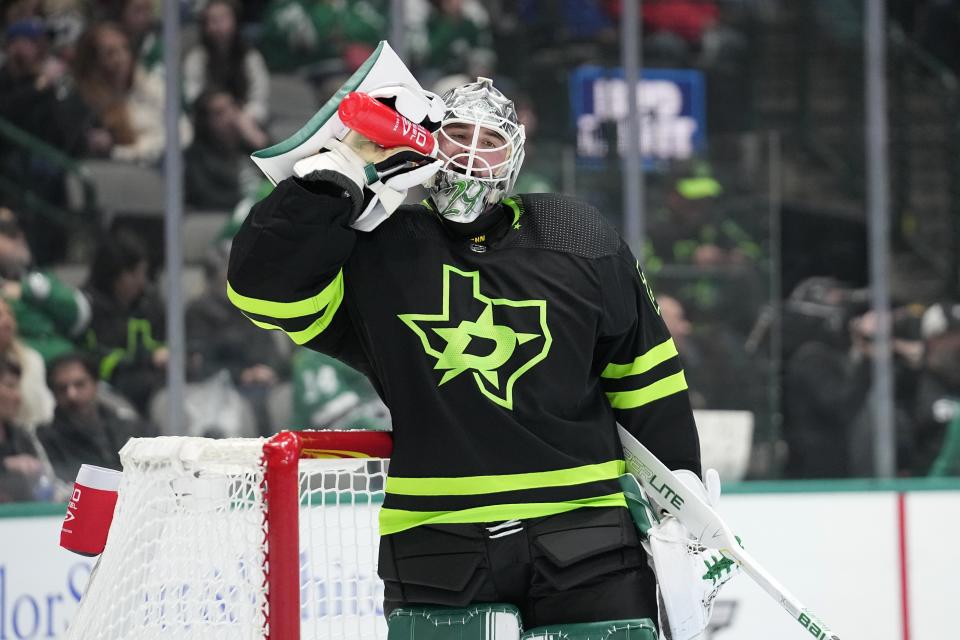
(334, 184)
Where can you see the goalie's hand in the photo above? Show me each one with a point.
(689, 575)
(365, 163)
(382, 176)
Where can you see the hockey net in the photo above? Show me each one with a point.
(243, 539)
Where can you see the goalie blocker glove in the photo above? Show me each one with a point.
(689, 575)
(376, 179)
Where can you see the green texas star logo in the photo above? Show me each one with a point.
(494, 353)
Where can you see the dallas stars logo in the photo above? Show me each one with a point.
(496, 355)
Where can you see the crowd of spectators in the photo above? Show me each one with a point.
(83, 364)
(827, 376)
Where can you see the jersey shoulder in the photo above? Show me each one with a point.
(562, 223)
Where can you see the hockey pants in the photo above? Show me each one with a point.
(586, 565)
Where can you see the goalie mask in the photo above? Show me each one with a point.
(481, 146)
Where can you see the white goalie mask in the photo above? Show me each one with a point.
(481, 146)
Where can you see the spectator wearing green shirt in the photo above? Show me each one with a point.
(455, 37)
(297, 33)
(51, 314)
(328, 394)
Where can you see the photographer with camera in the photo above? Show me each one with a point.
(827, 378)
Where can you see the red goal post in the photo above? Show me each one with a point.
(282, 455)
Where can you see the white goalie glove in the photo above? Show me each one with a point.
(689, 575)
(382, 175)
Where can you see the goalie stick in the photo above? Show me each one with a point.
(702, 521)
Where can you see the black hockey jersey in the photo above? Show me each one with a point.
(506, 359)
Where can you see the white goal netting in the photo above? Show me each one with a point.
(187, 556)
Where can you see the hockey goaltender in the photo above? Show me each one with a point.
(508, 334)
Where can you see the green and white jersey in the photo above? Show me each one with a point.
(506, 359)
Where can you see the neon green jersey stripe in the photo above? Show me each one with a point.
(659, 354)
(396, 520)
(316, 327)
(298, 309)
(265, 325)
(510, 202)
(639, 397)
(476, 485)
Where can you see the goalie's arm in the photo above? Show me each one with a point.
(639, 366)
(286, 268)
(287, 262)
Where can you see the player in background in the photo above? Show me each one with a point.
(508, 334)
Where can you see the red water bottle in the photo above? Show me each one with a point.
(90, 510)
(378, 122)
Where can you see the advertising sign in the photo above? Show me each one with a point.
(672, 106)
(40, 583)
(872, 564)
